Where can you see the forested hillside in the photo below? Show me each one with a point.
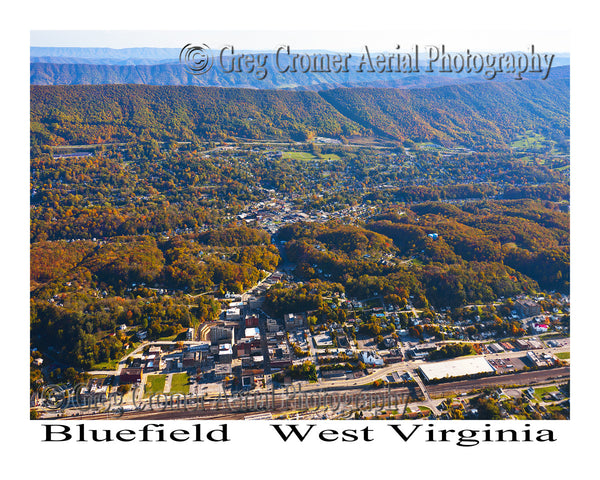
(450, 255)
(488, 115)
(478, 114)
(438, 197)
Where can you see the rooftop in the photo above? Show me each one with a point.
(456, 368)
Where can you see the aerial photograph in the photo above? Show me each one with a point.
(227, 233)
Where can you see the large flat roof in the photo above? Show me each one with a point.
(456, 368)
(251, 332)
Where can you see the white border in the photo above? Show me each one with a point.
(256, 452)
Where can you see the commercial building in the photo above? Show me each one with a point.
(527, 308)
(225, 353)
(191, 359)
(153, 363)
(541, 359)
(294, 320)
(421, 351)
(130, 375)
(252, 332)
(251, 321)
(233, 313)
(199, 347)
(456, 368)
(221, 334)
(247, 346)
(272, 325)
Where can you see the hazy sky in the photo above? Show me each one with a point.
(331, 40)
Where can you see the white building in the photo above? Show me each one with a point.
(472, 365)
(252, 332)
(371, 358)
(232, 314)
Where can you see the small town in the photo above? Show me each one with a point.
(440, 370)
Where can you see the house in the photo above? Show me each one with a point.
(371, 358)
(539, 328)
(142, 335)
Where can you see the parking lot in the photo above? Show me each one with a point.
(506, 364)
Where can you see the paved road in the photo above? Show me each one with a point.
(411, 365)
(428, 400)
(210, 411)
(168, 379)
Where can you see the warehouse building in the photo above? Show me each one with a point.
(456, 368)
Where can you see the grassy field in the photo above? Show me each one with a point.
(155, 384)
(540, 392)
(563, 355)
(307, 156)
(298, 156)
(111, 365)
(179, 336)
(529, 140)
(429, 146)
(180, 383)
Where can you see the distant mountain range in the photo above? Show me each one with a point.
(160, 66)
(105, 55)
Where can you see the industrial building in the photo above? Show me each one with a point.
(456, 368)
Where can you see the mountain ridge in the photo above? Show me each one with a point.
(489, 115)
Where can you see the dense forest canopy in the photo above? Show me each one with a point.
(446, 261)
(483, 114)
